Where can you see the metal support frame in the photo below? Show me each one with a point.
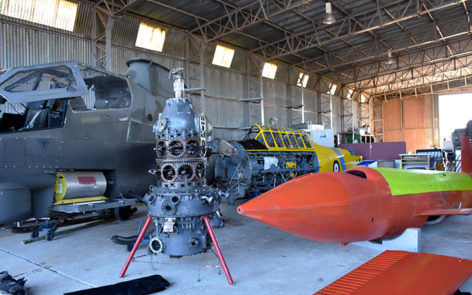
(432, 60)
(409, 240)
(187, 57)
(289, 96)
(303, 98)
(202, 77)
(99, 39)
(116, 8)
(353, 119)
(370, 110)
(261, 87)
(318, 94)
(108, 54)
(247, 91)
(331, 112)
(206, 220)
(107, 12)
(343, 117)
(102, 49)
(136, 245)
(402, 117)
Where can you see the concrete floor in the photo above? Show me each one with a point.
(262, 260)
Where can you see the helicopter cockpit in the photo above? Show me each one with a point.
(36, 97)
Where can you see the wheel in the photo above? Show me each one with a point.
(336, 167)
(435, 219)
(123, 213)
(50, 235)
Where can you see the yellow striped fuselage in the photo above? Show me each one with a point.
(288, 140)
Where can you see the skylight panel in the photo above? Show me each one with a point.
(150, 37)
(269, 70)
(332, 89)
(223, 56)
(302, 80)
(350, 92)
(59, 14)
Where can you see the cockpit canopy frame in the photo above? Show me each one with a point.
(35, 83)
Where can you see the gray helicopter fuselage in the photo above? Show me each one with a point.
(116, 140)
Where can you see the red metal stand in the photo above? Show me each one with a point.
(217, 248)
(136, 245)
(212, 236)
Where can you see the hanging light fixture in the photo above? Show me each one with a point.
(390, 60)
(329, 17)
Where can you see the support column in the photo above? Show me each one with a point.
(108, 52)
(353, 119)
(94, 37)
(262, 95)
(343, 116)
(247, 91)
(371, 112)
(318, 92)
(187, 59)
(331, 111)
(289, 96)
(402, 117)
(303, 98)
(202, 78)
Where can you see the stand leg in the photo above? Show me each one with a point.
(136, 245)
(217, 248)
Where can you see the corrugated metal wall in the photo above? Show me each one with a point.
(414, 120)
(23, 43)
(20, 44)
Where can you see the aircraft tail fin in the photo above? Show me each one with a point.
(466, 154)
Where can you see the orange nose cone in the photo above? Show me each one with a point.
(327, 206)
(308, 206)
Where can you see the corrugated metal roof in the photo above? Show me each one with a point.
(351, 51)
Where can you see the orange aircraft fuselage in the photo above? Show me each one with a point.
(361, 203)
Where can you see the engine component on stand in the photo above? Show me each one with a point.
(181, 203)
(181, 195)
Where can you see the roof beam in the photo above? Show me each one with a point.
(436, 26)
(439, 70)
(311, 38)
(327, 30)
(417, 60)
(402, 27)
(117, 8)
(196, 17)
(268, 13)
(467, 14)
(398, 52)
(442, 86)
(238, 18)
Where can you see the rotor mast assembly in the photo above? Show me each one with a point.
(181, 203)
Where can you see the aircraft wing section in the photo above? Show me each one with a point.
(452, 211)
(42, 82)
(401, 272)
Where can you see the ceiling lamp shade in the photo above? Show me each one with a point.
(329, 17)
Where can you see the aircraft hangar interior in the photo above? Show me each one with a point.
(235, 147)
